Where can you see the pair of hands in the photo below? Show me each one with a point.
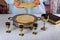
(26, 5)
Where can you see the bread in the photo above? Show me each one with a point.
(27, 5)
(25, 19)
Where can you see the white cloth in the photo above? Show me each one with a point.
(12, 9)
(52, 32)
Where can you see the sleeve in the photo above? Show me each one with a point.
(42, 0)
(9, 1)
(42, 7)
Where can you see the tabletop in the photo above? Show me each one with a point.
(52, 31)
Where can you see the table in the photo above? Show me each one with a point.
(52, 32)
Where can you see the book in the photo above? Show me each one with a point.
(54, 19)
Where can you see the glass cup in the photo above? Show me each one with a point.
(8, 27)
(35, 28)
(21, 30)
(44, 18)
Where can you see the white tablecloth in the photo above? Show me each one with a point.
(52, 32)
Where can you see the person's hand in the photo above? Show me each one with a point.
(36, 2)
(17, 4)
(26, 4)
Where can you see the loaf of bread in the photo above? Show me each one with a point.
(25, 19)
(27, 5)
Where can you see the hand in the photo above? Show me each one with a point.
(36, 2)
